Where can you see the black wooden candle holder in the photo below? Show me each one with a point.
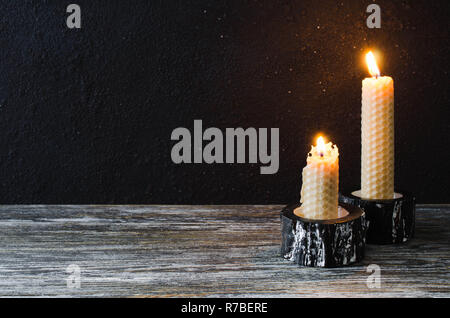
(388, 221)
(323, 243)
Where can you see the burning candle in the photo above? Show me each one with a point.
(377, 134)
(319, 194)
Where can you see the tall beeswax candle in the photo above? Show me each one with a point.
(377, 134)
(319, 194)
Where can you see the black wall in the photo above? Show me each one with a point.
(86, 115)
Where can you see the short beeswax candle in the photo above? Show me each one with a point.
(377, 134)
(319, 194)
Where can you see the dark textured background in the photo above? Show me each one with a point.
(86, 115)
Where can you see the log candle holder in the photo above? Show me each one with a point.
(323, 243)
(389, 221)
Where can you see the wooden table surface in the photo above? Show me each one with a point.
(205, 251)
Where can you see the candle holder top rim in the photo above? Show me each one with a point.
(354, 212)
(398, 196)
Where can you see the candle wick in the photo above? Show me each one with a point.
(321, 154)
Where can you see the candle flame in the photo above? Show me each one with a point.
(320, 145)
(372, 64)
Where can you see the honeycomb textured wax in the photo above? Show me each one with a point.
(319, 194)
(377, 138)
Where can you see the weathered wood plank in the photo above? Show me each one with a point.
(167, 251)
